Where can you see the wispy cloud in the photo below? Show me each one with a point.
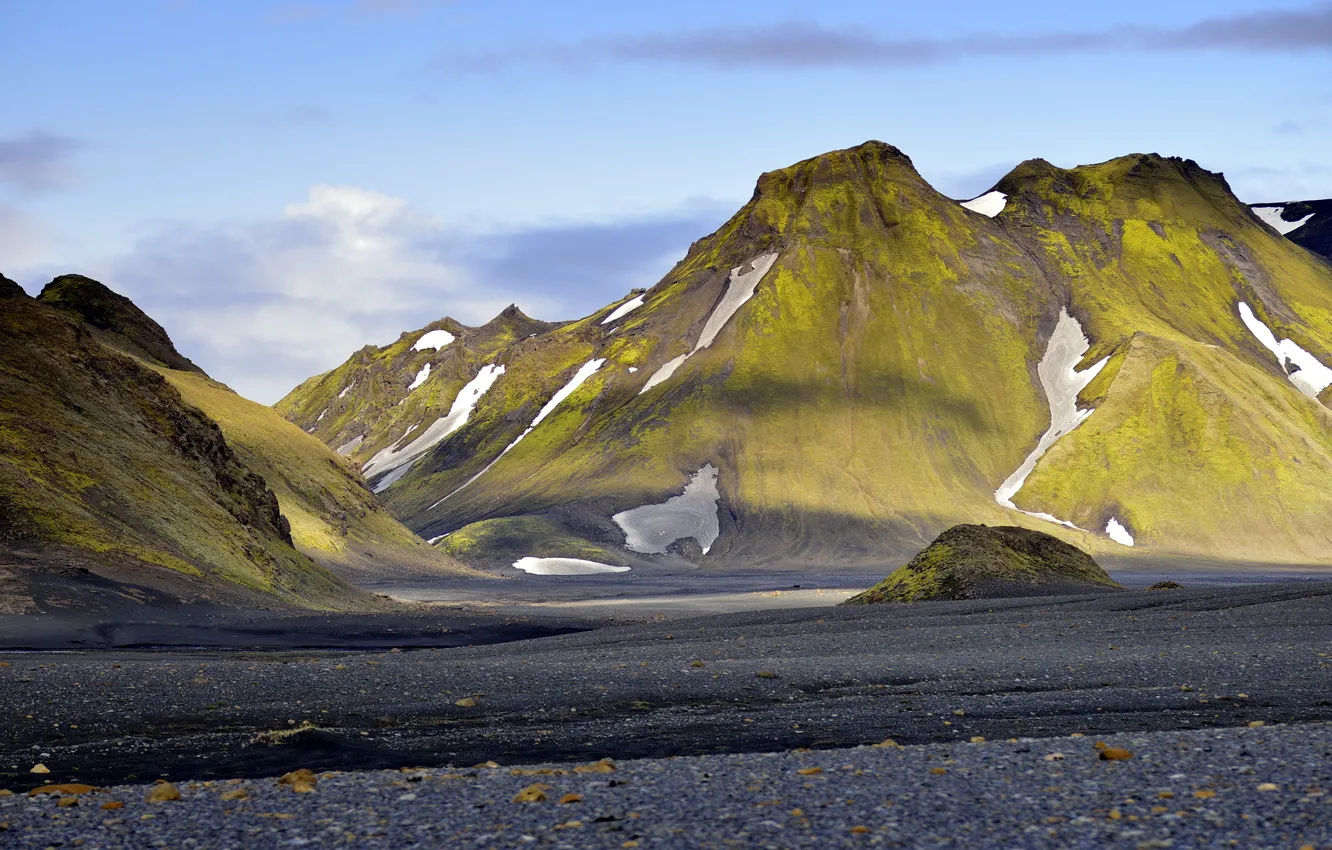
(38, 161)
(802, 46)
(264, 304)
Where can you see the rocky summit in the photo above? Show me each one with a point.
(1123, 355)
(979, 562)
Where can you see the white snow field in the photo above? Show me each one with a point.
(584, 372)
(564, 567)
(990, 204)
(420, 378)
(351, 445)
(397, 462)
(739, 289)
(1118, 533)
(1271, 216)
(1062, 383)
(1310, 376)
(652, 528)
(434, 340)
(624, 309)
(346, 390)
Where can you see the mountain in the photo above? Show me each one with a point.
(1122, 354)
(125, 472)
(1306, 223)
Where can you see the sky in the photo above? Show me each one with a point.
(282, 183)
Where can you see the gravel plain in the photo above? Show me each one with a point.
(740, 690)
(1250, 787)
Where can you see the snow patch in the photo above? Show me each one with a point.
(351, 446)
(990, 204)
(1118, 533)
(633, 369)
(321, 416)
(346, 390)
(432, 541)
(739, 289)
(564, 567)
(396, 462)
(1271, 216)
(420, 378)
(1304, 370)
(584, 372)
(624, 309)
(1062, 383)
(434, 340)
(652, 528)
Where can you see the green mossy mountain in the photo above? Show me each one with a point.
(114, 461)
(979, 562)
(882, 382)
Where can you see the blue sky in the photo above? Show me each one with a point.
(280, 183)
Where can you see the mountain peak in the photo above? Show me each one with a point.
(115, 315)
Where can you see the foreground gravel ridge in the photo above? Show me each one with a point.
(1251, 787)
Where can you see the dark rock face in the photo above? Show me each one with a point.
(10, 289)
(117, 316)
(981, 562)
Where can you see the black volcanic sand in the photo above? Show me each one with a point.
(1130, 662)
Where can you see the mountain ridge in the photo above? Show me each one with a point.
(880, 381)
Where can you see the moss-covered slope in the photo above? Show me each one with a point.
(883, 379)
(103, 463)
(978, 562)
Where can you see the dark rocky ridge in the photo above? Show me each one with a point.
(126, 326)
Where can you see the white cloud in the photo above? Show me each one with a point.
(263, 305)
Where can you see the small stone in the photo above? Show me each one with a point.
(859, 830)
(766, 674)
(1204, 794)
(40, 768)
(300, 781)
(938, 771)
(532, 794)
(235, 794)
(695, 663)
(1254, 724)
(66, 802)
(571, 798)
(1269, 786)
(1054, 757)
(162, 792)
(112, 805)
(886, 744)
(1115, 754)
(603, 766)
(466, 702)
(977, 739)
(959, 712)
(72, 789)
(810, 771)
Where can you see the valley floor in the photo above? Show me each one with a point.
(1131, 664)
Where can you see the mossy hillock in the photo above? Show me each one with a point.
(981, 562)
(881, 379)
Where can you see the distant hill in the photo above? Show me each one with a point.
(1306, 223)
